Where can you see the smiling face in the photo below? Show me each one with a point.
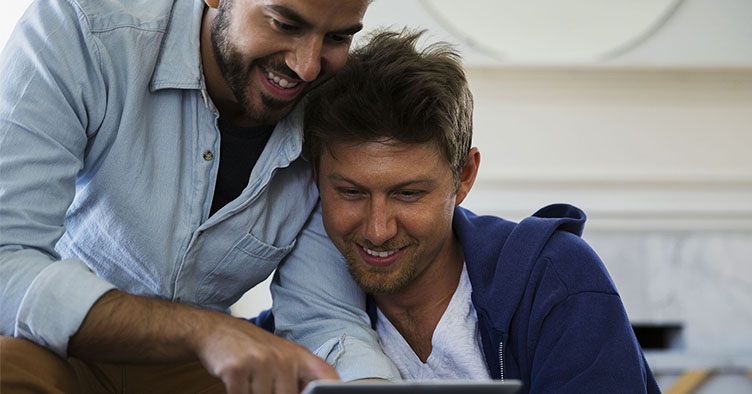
(265, 54)
(388, 207)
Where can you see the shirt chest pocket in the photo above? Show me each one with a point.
(248, 262)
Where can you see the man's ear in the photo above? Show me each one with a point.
(212, 3)
(469, 173)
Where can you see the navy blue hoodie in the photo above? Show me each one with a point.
(548, 311)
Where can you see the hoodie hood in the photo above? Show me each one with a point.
(517, 249)
(523, 242)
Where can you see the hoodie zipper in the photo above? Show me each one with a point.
(501, 360)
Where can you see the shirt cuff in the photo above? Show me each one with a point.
(57, 302)
(354, 359)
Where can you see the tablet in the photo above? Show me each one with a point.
(415, 387)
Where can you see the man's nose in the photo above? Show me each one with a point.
(381, 225)
(306, 58)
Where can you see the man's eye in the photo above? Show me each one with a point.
(284, 26)
(340, 38)
(350, 193)
(409, 194)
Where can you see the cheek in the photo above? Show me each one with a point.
(334, 59)
(338, 219)
(432, 223)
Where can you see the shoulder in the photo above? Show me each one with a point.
(575, 264)
(106, 15)
(554, 235)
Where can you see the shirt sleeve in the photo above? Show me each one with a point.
(56, 303)
(43, 137)
(317, 304)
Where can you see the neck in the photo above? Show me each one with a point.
(415, 311)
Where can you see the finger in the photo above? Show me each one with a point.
(314, 368)
(286, 379)
(261, 383)
(236, 385)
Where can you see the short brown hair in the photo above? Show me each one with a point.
(389, 89)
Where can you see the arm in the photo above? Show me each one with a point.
(43, 136)
(242, 355)
(317, 304)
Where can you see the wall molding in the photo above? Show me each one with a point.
(714, 202)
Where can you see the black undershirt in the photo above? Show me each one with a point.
(240, 148)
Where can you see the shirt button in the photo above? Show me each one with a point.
(208, 155)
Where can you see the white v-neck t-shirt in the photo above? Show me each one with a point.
(457, 352)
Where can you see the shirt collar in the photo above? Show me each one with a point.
(179, 62)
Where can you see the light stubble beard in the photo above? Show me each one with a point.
(374, 281)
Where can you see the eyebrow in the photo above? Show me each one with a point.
(411, 183)
(293, 16)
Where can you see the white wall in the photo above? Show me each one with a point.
(634, 33)
(640, 148)
(11, 12)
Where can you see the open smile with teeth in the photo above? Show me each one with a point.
(383, 253)
(279, 81)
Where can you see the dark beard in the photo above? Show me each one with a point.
(237, 75)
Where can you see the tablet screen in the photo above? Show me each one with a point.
(415, 387)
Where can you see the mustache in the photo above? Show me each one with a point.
(277, 67)
(392, 244)
(281, 68)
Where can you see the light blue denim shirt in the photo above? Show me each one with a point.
(109, 150)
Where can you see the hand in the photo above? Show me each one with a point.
(243, 356)
(250, 360)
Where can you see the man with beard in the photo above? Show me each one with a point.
(151, 175)
(454, 295)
